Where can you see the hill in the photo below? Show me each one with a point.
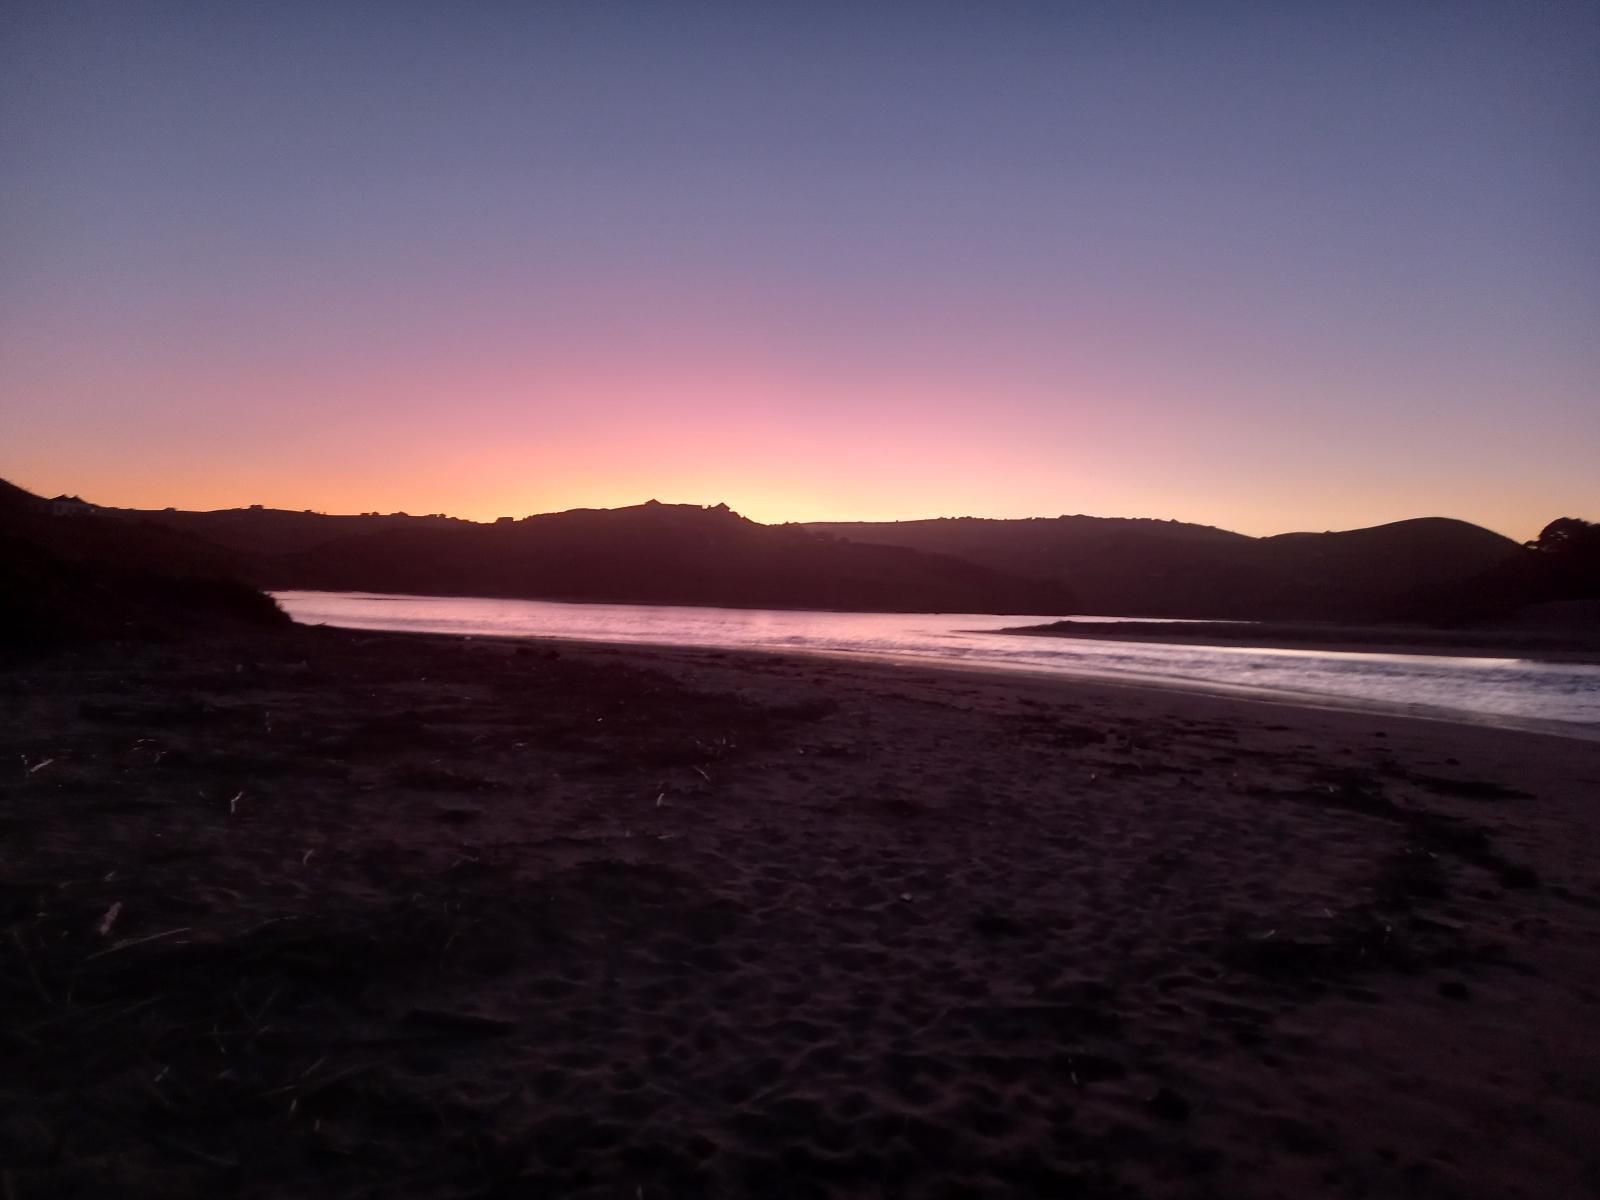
(1171, 569)
(1429, 569)
(656, 554)
(260, 532)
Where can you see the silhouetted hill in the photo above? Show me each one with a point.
(1170, 569)
(67, 578)
(1428, 569)
(268, 531)
(14, 499)
(657, 554)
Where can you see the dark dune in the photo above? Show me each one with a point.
(67, 579)
(333, 914)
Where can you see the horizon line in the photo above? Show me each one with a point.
(827, 521)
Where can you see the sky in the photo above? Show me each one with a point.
(1264, 266)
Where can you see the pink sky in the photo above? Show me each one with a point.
(1264, 269)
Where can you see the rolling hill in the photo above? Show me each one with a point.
(642, 554)
(1428, 569)
(1147, 568)
(658, 554)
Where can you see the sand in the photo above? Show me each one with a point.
(340, 914)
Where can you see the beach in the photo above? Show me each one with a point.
(337, 913)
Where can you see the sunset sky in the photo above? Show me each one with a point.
(1266, 266)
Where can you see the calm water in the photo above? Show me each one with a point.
(1512, 692)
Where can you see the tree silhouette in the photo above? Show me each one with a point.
(1569, 550)
(1566, 536)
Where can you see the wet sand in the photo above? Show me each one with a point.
(340, 914)
(1563, 647)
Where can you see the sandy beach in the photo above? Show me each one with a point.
(348, 914)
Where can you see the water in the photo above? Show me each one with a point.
(1516, 693)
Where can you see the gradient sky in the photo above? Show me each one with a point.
(1267, 266)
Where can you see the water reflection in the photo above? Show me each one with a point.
(1560, 697)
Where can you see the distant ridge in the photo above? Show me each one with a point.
(658, 554)
(1147, 568)
(648, 553)
(1429, 569)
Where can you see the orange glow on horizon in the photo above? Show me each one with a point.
(855, 265)
(477, 497)
(454, 428)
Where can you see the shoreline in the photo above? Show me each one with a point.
(1243, 633)
(1330, 639)
(274, 592)
(1569, 730)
